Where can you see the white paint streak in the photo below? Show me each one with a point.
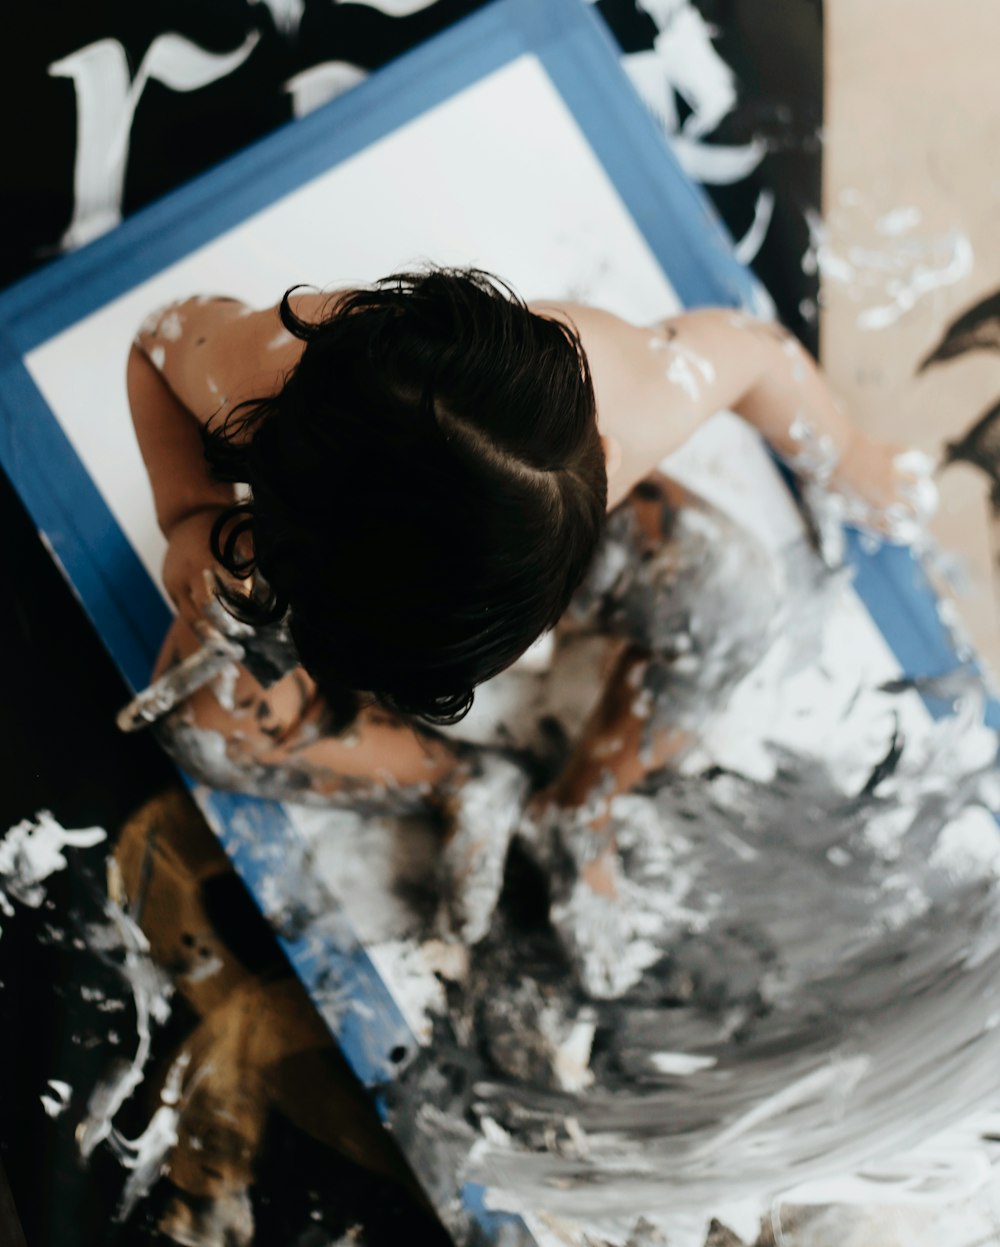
(321, 83)
(680, 373)
(686, 366)
(955, 263)
(898, 271)
(31, 851)
(748, 247)
(571, 1058)
(204, 969)
(106, 101)
(151, 990)
(487, 808)
(158, 357)
(287, 14)
(58, 1102)
(417, 991)
(395, 8)
(681, 1064)
(172, 326)
(833, 1082)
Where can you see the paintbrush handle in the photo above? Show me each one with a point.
(179, 683)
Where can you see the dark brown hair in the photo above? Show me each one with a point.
(427, 489)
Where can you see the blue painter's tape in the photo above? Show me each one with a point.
(98, 561)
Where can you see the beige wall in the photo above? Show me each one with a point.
(913, 130)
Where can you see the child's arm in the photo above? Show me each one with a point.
(186, 497)
(660, 384)
(191, 362)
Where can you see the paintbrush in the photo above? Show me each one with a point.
(265, 650)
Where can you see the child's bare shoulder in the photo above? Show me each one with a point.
(214, 351)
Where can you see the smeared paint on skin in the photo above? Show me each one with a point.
(686, 365)
(222, 762)
(158, 357)
(831, 506)
(679, 373)
(58, 1102)
(796, 354)
(954, 256)
(921, 492)
(280, 340)
(224, 686)
(31, 851)
(171, 326)
(150, 323)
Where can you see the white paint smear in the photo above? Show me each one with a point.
(680, 1064)
(57, 1102)
(31, 851)
(896, 272)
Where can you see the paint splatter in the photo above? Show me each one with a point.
(894, 273)
(171, 326)
(121, 938)
(33, 850)
(687, 369)
(57, 1102)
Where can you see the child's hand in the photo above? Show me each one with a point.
(884, 488)
(191, 575)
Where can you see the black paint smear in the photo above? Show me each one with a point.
(980, 446)
(887, 766)
(976, 329)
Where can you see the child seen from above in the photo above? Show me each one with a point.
(421, 478)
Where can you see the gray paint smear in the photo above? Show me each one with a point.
(811, 955)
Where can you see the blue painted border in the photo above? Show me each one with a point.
(274, 863)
